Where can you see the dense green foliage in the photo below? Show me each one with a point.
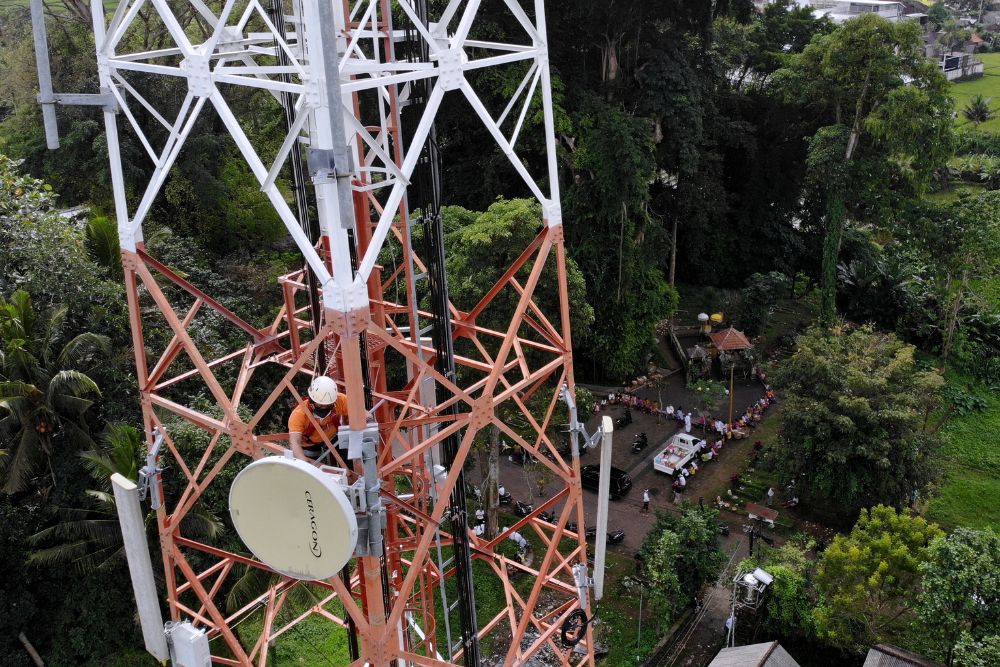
(868, 581)
(45, 392)
(680, 554)
(788, 612)
(960, 596)
(481, 247)
(933, 282)
(876, 94)
(854, 422)
(758, 298)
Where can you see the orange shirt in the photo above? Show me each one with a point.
(299, 422)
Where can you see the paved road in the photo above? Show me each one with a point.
(625, 513)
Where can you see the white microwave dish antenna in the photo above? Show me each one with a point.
(294, 517)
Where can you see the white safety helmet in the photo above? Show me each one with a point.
(323, 391)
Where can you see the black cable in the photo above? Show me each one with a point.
(309, 227)
(427, 194)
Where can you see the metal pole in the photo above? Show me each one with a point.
(603, 488)
(638, 639)
(732, 370)
(45, 95)
(732, 617)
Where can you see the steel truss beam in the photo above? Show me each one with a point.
(340, 73)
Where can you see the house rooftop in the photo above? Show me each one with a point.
(887, 655)
(729, 339)
(768, 654)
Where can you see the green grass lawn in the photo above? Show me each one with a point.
(988, 85)
(954, 192)
(316, 642)
(970, 458)
(618, 617)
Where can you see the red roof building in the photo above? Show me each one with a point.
(729, 339)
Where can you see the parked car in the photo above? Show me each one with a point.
(620, 482)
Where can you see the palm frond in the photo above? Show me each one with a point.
(252, 583)
(22, 365)
(81, 555)
(77, 434)
(71, 383)
(103, 497)
(15, 397)
(203, 524)
(19, 317)
(16, 388)
(24, 463)
(95, 527)
(122, 452)
(102, 243)
(54, 320)
(158, 235)
(71, 406)
(81, 351)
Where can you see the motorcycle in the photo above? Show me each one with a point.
(613, 536)
(548, 516)
(625, 419)
(640, 443)
(523, 509)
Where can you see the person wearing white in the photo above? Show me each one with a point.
(518, 539)
(645, 500)
(687, 423)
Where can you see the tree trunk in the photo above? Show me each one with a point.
(956, 307)
(621, 254)
(831, 253)
(492, 484)
(673, 252)
(32, 653)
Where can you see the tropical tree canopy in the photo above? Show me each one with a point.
(853, 425)
(868, 581)
(44, 389)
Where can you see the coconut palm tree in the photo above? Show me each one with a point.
(88, 537)
(44, 389)
(978, 109)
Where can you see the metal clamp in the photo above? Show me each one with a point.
(576, 428)
(372, 523)
(149, 474)
(583, 581)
